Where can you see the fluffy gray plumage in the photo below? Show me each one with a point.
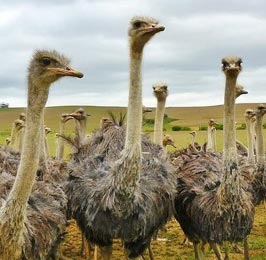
(46, 215)
(9, 160)
(203, 213)
(104, 214)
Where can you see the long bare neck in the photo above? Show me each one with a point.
(83, 128)
(158, 125)
(213, 137)
(134, 111)
(229, 133)
(31, 146)
(13, 138)
(193, 138)
(230, 162)
(127, 169)
(209, 147)
(259, 141)
(20, 138)
(250, 139)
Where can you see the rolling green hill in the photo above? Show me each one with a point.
(193, 117)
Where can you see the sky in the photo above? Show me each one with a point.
(93, 33)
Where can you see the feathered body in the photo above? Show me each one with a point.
(201, 209)
(100, 211)
(46, 218)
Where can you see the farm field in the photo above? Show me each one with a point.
(169, 246)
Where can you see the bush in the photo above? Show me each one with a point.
(180, 128)
(241, 127)
(219, 127)
(203, 128)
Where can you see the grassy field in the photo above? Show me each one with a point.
(169, 247)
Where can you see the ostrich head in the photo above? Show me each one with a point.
(231, 66)
(48, 66)
(47, 130)
(212, 123)
(8, 141)
(80, 114)
(261, 110)
(19, 124)
(168, 140)
(106, 122)
(160, 91)
(250, 114)
(240, 90)
(193, 133)
(22, 116)
(141, 30)
(65, 117)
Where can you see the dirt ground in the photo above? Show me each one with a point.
(169, 246)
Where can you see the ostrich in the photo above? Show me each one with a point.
(64, 118)
(160, 91)
(22, 116)
(261, 179)
(194, 146)
(168, 140)
(30, 225)
(8, 141)
(210, 145)
(47, 131)
(17, 135)
(214, 203)
(80, 116)
(131, 197)
(250, 120)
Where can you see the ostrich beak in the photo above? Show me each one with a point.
(244, 92)
(154, 28)
(66, 72)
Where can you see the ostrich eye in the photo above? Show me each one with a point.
(137, 24)
(46, 61)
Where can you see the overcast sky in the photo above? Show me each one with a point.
(93, 33)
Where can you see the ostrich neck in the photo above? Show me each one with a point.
(83, 126)
(230, 181)
(81, 130)
(210, 144)
(13, 136)
(250, 135)
(127, 168)
(213, 137)
(229, 133)
(259, 141)
(158, 125)
(193, 140)
(31, 147)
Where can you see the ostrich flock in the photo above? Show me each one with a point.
(119, 184)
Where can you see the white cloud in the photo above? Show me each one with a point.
(94, 35)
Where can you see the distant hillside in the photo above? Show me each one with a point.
(186, 116)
